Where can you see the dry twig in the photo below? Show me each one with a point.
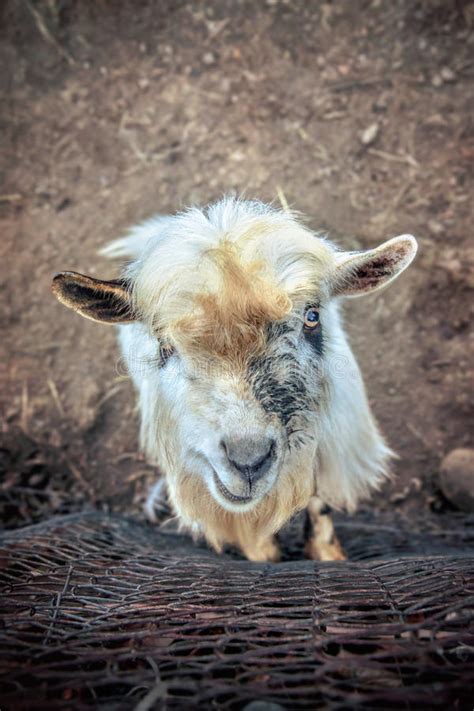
(55, 395)
(25, 414)
(13, 197)
(282, 198)
(360, 84)
(46, 34)
(391, 157)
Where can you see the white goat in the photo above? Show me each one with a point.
(252, 404)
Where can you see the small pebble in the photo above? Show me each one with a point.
(437, 81)
(447, 74)
(457, 478)
(435, 227)
(370, 134)
(209, 58)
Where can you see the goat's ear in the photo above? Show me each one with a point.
(359, 273)
(103, 301)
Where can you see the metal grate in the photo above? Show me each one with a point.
(101, 610)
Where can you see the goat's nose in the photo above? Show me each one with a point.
(251, 457)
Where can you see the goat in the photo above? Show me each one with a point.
(252, 404)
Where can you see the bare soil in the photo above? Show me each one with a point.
(114, 111)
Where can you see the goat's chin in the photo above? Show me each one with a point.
(231, 501)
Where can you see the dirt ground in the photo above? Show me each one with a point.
(359, 113)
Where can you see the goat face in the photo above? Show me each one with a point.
(234, 312)
(236, 418)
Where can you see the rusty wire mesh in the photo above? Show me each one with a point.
(103, 611)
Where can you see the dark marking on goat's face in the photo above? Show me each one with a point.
(315, 339)
(164, 354)
(283, 378)
(278, 386)
(164, 349)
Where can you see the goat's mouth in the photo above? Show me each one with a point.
(224, 491)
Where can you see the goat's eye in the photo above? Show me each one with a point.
(165, 352)
(311, 319)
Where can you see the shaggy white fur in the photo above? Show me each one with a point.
(169, 267)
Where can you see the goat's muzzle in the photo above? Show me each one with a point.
(251, 458)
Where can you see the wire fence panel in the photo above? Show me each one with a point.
(103, 611)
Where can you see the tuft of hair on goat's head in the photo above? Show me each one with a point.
(250, 397)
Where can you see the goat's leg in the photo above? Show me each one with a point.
(263, 551)
(156, 506)
(322, 542)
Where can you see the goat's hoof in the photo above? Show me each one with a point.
(267, 552)
(317, 550)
